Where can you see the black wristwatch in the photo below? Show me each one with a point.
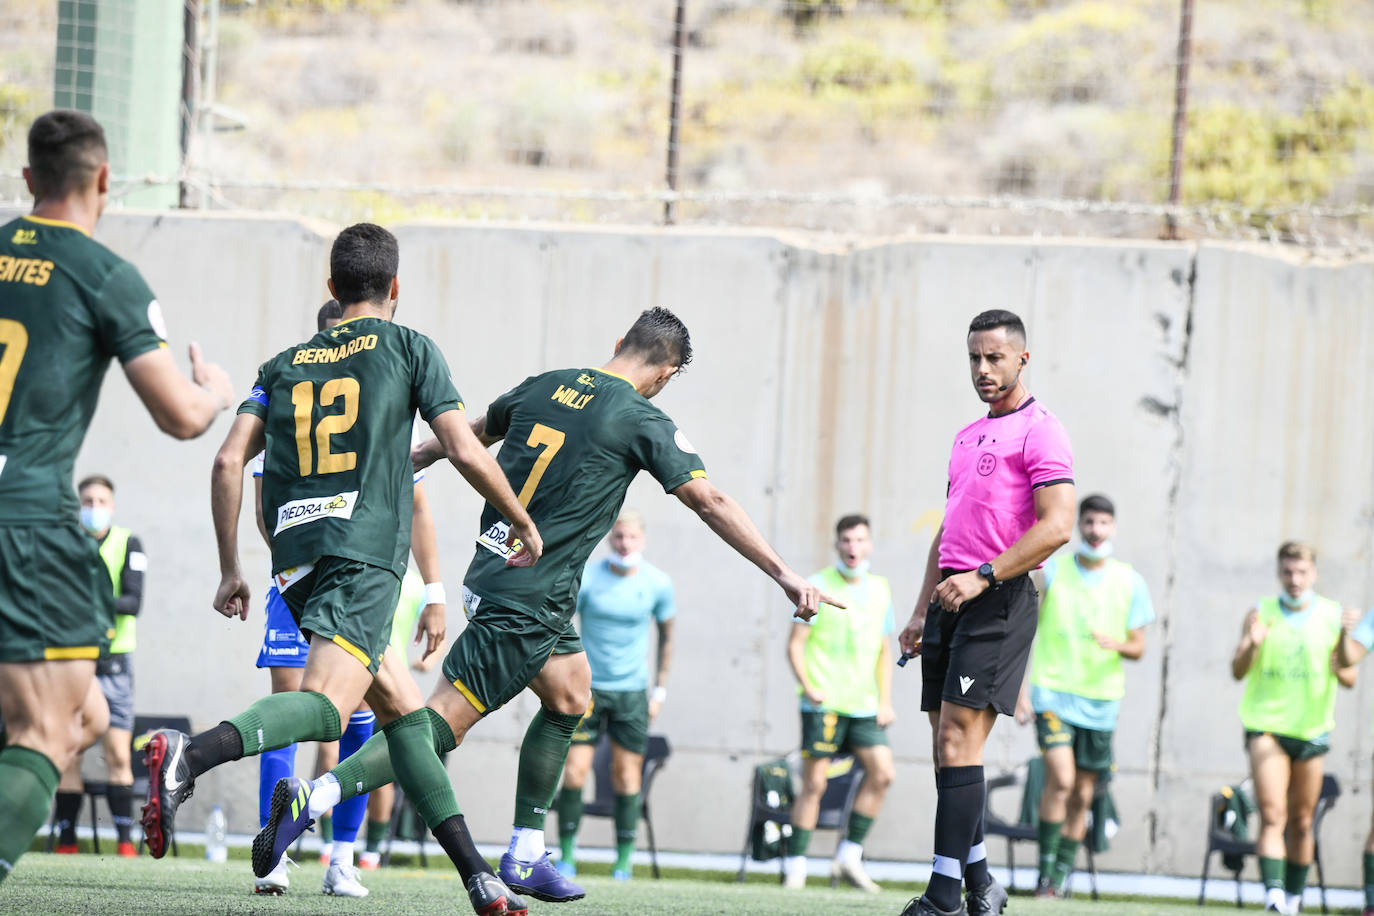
(986, 572)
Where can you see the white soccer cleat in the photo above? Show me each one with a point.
(274, 882)
(342, 881)
(851, 871)
(794, 876)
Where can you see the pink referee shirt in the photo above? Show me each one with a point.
(994, 469)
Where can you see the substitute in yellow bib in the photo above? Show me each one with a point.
(1093, 616)
(1287, 658)
(842, 660)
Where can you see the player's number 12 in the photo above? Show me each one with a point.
(303, 400)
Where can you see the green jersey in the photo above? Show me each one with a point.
(574, 439)
(337, 479)
(67, 306)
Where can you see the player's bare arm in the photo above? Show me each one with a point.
(467, 453)
(732, 525)
(665, 662)
(886, 713)
(1349, 650)
(246, 438)
(257, 513)
(182, 408)
(909, 640)
(433, 623)
(1133, 648)
(796, 657)
(1054, 517)
(1252, 635)
(479, 429)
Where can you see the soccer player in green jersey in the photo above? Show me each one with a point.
(1289, 659)
(68, 305)
(572, 441)
(334, 414)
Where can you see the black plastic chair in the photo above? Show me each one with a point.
(1015, 832)
(656, 754)
(1219, 839)
(842, 787)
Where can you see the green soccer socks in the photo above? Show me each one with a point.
(542, 755)
(410, 742)
(1049, 848)
(1063, 862)
(278, 720)
(28, 781)
(626, 825)
(569, 819)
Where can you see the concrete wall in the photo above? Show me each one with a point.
(1219, 394)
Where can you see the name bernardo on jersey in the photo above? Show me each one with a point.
(304, 511)
(334, 354)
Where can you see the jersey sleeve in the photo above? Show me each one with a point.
(431, 383)
(665, 607)
(128, 318)
(1364, 633)
(661, 449)
(1047, 454)
(256, 402)
(500, 410)
(1142, 609)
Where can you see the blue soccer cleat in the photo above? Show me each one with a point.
(289, 818)
(566, 868)
(539, 880)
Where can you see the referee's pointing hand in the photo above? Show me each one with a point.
(958, 589)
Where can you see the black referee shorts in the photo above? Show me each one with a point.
(977, 657)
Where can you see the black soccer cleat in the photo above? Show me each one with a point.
(988, 900)
(169, 784)
(489, 896)
(920, 906)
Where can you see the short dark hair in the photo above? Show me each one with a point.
(330, 311)
(998, 318)
(362, 263)
(101, 479)
(660, 338)
(851, 521)
(66, 150)
(1096, 503)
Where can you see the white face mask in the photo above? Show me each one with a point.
(852, 572)
(1089, 552)
(95, 519)
(1294, 604)
(627, 562)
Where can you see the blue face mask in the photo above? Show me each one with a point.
(852, 572)
(1293, 604)
(95, 519)
(1089, 552)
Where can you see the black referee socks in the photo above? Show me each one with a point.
(958, 815)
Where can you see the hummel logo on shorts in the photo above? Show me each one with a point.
(965, 683)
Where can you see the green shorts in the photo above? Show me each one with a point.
(622, 713)
(349, 603)
(1296, 748)
(825, 734)
(500, 651)
(1092, 748)
(55, 596)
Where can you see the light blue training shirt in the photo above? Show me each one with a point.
(615, 612)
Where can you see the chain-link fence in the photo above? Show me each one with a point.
(854, 116)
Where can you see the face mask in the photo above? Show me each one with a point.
(95, 519)
(852, 572)
(1294, 603)
(1089, 552)
(627, 562)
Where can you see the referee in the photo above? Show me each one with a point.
(1009, 505)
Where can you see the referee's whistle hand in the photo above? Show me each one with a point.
(909, 640)
(958, 589)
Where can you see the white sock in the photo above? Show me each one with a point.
(341, 853)
(849, 851)
(795, 864)
(526, 844)
(324, 795)
(1294, 904)
(1275, 896)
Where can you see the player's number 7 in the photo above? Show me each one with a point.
(552, 440)
(14, 337)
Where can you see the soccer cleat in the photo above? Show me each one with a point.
(621, 874)
(369, 861)
(489, 896)
(276, 881)
(66, 849)
(566, 868)
(126, 850)
(851, 871)
(342, 881)
(794, 877)
(287, 820)
(539, 880)
(920, 906)
(169, 784)
(988, 900)
(1045, 889)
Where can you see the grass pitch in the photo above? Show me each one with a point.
(88, 884)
